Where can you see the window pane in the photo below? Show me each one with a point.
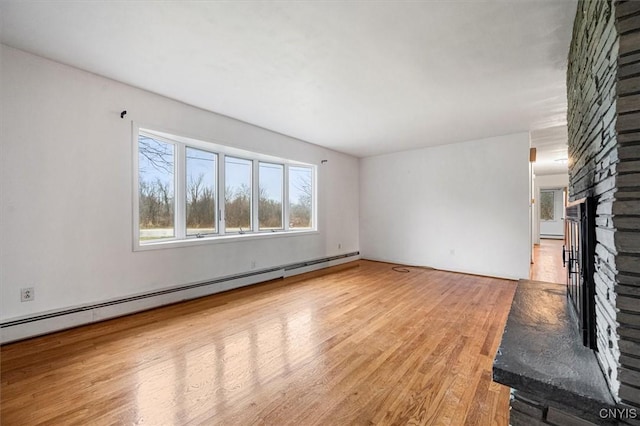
(155, 189)
(201, 192)
(271, 177)
(237, 197)
(300, 197)
(547, 207)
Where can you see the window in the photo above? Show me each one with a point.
(547, 205)
(300, 197)
(201, 192)
(237, 199)
(270, 202)
(190, 190)
(156, 213)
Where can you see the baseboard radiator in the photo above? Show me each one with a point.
(48, 322)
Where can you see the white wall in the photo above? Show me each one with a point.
(66, 190)
(545, 181)
(461, 207)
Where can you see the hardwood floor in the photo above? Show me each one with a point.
(547, 264)
(364, 345)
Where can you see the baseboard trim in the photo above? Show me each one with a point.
(48, 322)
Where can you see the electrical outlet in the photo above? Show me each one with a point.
(253, 264)
(339, 245)
(27, 294)
(452, 252)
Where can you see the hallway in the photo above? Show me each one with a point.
(547, 264)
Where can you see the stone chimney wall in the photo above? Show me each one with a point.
(603, 89)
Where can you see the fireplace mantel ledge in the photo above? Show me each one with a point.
(541, 352)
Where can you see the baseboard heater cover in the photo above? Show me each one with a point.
(49, 322)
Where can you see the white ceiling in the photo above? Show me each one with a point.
(551, 146)
(361, 77)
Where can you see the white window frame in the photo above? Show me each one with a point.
(181, 239)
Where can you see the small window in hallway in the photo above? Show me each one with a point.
(547, 206)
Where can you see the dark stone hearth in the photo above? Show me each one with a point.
(542, 354)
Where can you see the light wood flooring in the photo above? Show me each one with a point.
(547, 262)
(364, 345)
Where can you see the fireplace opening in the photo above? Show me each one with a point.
(578, 256)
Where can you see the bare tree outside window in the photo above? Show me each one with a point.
(155, 188)
(237, 199)
(271, 178)
(201, 192)
(547, 205)
(300, 197)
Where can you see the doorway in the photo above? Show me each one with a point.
(552, 207)
(547, 265)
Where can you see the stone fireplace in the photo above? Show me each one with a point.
(603, 93)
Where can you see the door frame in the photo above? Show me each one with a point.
(564, 190)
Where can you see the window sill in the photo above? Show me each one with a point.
(232, 238)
